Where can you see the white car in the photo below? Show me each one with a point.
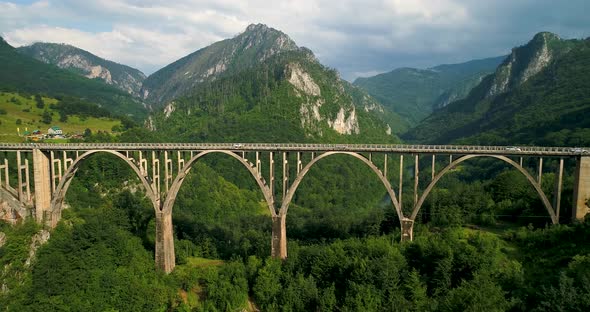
(513, 149)
(578, 150)
(237, 145)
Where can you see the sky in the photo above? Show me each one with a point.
(357, 37)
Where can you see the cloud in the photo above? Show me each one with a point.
(353, 36)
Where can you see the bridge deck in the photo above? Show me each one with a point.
(301, 147)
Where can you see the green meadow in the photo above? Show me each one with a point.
(15, 107)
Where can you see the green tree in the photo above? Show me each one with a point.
(39, 101)
(416, 292)
(267, 285)
(46, 118)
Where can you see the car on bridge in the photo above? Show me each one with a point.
(578, 150)
(513, 148)
(238, 145)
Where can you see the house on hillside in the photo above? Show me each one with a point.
(55, 132)
(36, 135)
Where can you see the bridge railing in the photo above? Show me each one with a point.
(399, 148)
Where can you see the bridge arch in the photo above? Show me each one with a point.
(64, 183)
(177, 183)
(537, 186)
(289, 196)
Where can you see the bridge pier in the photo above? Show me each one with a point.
(42, 182)
(407, 230)
(581, 188)
(165, 259)
(279, 237)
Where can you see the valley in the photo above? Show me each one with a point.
(502, 230)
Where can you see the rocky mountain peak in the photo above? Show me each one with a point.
(248, 49)
(268, 39)
(254, 27)
(526, 61)
(544, 36)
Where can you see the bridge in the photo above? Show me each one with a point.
(278, 169)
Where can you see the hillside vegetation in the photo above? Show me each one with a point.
(416, 93)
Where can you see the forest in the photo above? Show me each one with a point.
(482, 242)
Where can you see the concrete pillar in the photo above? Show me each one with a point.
(165, 259)
(581, 188)
(407, 229)
(42, 180)
(279, 237)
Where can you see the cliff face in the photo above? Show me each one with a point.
(527, 61)
(11, 210)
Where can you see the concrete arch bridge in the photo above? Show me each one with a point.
(45, 171)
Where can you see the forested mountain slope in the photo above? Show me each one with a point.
(415, 93)
(539, 95)
(283, 93)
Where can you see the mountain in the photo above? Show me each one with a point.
(415, 93)
(247, 49)
(261, 86)
(86, 64)
(539, 95)
(24, 74)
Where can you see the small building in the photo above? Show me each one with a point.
(55, 130)
(36, 131)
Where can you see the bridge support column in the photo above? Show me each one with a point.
(165, 259)
(42, 180)
(279, 237)
(581, 188)
(407, 229)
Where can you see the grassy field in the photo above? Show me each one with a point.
(14, 107)
(202, 262)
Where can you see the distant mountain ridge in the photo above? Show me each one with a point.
(539, 95)
(415, 93)
(87, 64)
